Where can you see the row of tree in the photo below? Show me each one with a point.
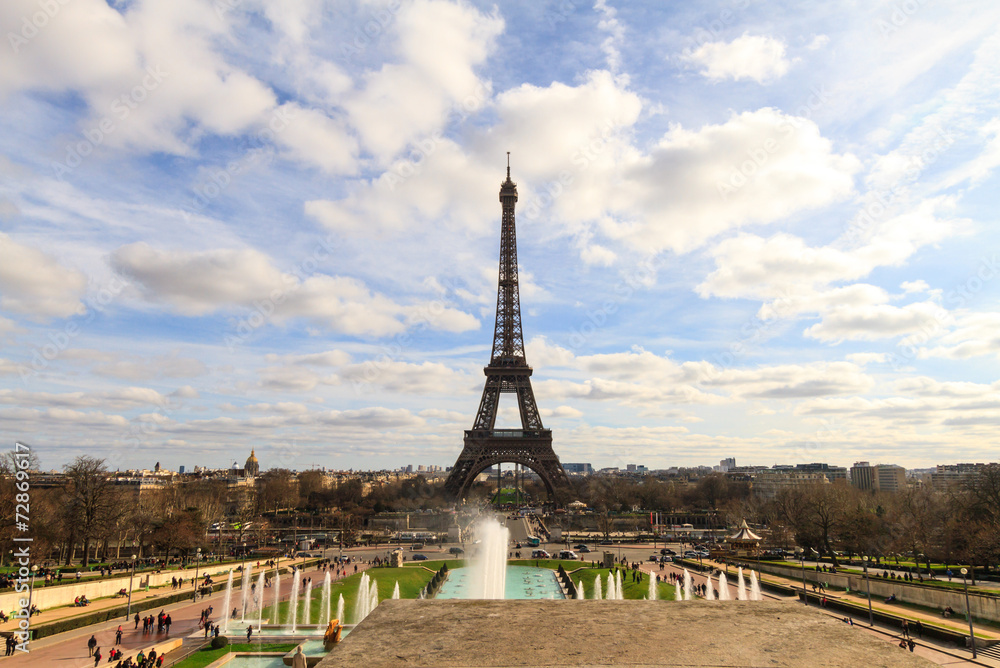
(91, 516)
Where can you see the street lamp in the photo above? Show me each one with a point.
(868, 586)
(968, 612)
(197, 567)
(802, 559)
(243, 568)
(31, 590)
(128, 611)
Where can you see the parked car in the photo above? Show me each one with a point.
(417, 546)
(419, 557)
(667, 550)
(606, 542)
(666, 559)
(654, 557)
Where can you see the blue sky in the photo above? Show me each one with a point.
(760, 230)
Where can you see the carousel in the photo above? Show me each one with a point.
(744, 543)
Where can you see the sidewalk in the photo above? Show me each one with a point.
(985, 586)
(957, 624)
(51, 615)
(69, 649)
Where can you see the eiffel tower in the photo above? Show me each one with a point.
(531, 445)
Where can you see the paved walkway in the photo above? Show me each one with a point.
(69, 650)
(956, 577)
(58, 613)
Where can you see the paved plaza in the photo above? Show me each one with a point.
(452, 634)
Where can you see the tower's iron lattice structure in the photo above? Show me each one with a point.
(508, 371)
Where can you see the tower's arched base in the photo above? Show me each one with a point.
(485, 448)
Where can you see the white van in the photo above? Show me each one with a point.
(540, 554)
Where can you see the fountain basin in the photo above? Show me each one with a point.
(522, 583)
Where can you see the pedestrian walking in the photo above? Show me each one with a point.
(97, 656)
(118, 636)
(136, 622)
(91, 644)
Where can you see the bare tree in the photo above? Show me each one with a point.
(90, 500)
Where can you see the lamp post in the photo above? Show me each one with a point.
(243, 568)
(197, 567)
(128, 610)
(968, 612)
(868, 587)
(802, 560)
(31, 589)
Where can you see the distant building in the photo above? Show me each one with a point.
(181, 470)
(252, 467)
(832, 473)
(951, 476)
(891, 478)
(863, 476)
(726, 464)
(768, 483)
(881, 477)
(579, 467)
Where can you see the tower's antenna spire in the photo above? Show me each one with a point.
(508, 165)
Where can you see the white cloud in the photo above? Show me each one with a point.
(35, 283)
(818, 42)
(756, 57)
(333, 358)
(758, 167)
(878, 321)
(312, 137)
(793, 381)
(410, 100)
(615, 31)
(866, 358)
(973, 335)
(560, 412)
(203, 282)
(161, 366)
(122, 399)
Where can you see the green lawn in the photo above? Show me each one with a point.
(411, 581)
(204, 657)
(630, 590)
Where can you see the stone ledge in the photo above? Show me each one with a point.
(454, 633)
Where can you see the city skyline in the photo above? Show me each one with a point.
(760, 232)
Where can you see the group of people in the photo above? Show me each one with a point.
(81, 601)
(11, 645)
(162, 622)
(115, 654)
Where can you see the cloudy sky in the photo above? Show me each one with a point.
(753, 229)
